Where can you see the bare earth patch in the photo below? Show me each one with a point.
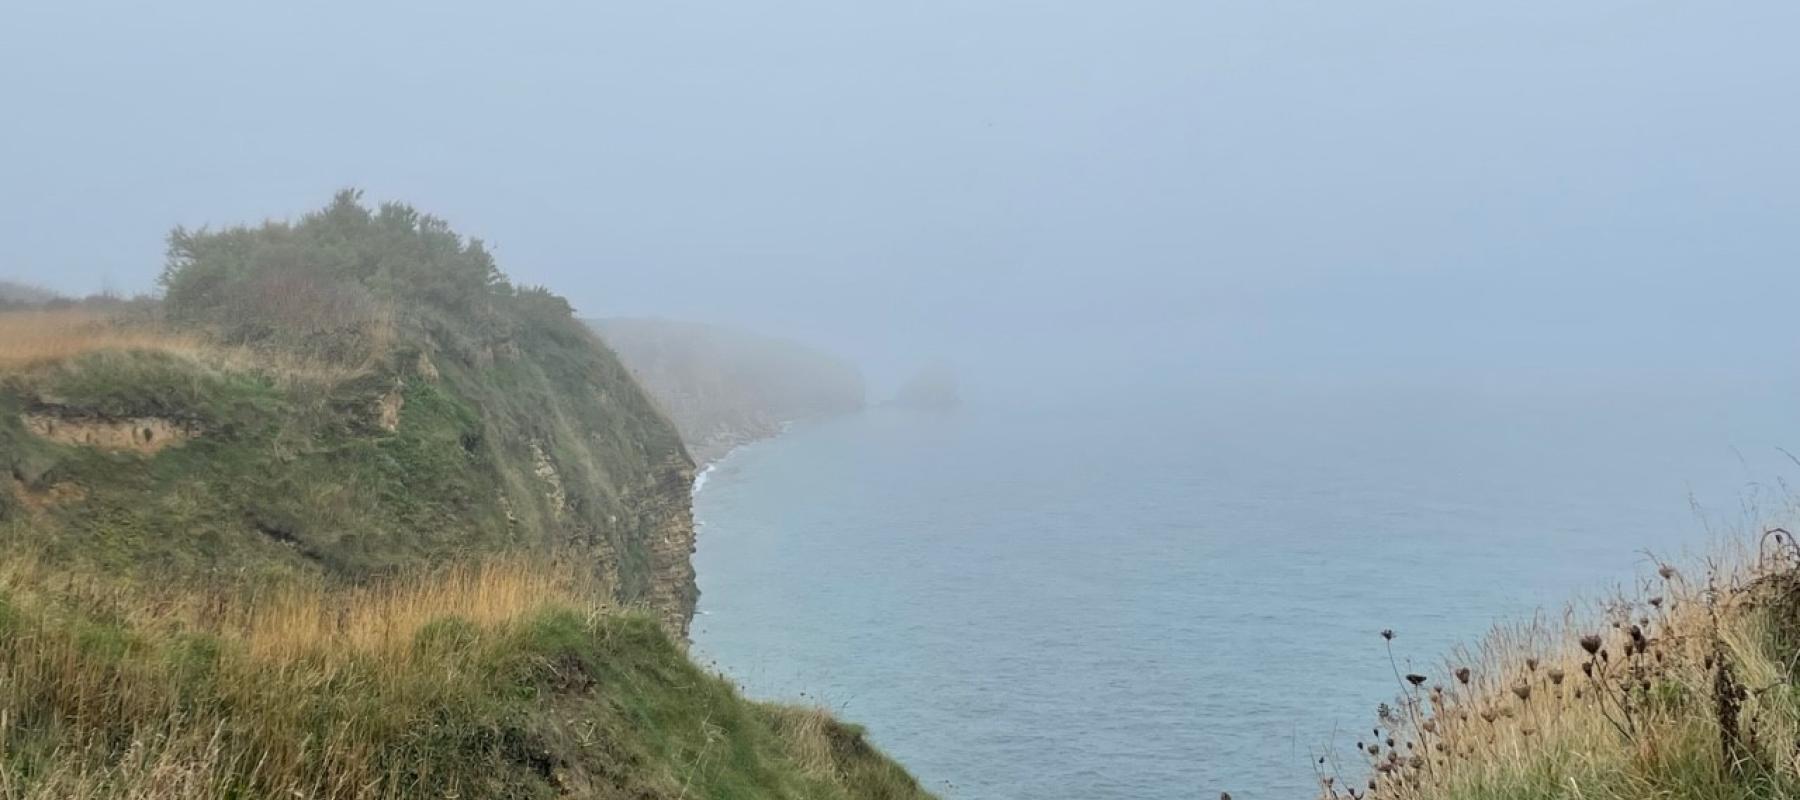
(137, 434)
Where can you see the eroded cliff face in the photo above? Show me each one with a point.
(666, 523)
(287, 409)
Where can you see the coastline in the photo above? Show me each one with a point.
(706, 466)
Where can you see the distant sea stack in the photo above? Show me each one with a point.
(724, 387)
(934, 388)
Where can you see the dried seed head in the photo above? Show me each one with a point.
(1590, 643)
(1667, 572)
(1487, 715)
(1656, 602)
(1462, 675)
(1556, 675)
(1387, 633)
(1429, 725)
(1531, 663)
(1415, 679)
(1522, 689)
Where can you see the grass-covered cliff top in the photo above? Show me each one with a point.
(346, 515)
(499, 681)
(350, 393)
(1687, 690)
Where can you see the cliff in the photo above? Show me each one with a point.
(348, 515)
(349, 394)
(725, 387)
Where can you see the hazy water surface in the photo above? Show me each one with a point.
(1168, 598)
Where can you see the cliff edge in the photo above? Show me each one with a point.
(348, 515)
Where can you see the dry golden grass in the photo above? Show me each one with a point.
(384, 620)
(38, 338)
(809, 731)
(1685, 691)
(35, 338)
(306, 617)
(273, 657)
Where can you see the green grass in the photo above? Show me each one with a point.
(299, 475)
(384, 557)
(487, 683)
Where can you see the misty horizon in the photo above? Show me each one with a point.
(1572, 189)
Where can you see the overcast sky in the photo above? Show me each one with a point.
(1384, 185)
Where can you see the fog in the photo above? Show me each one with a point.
(1526, 192)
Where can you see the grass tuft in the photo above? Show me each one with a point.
(1685, 690)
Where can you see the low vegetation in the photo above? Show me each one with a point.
(39, 337)
(355, 392)
(508, 680)
(14, 295)
(35, 337)
(1686, 691)
(347, 515)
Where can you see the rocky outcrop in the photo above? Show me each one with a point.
(666, 522)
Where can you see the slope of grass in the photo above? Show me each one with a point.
(504, 681)
(1686, 691)
(366, 392)
(240, 533)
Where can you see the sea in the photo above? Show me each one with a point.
(1173, 594)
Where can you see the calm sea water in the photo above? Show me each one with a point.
(1175, 597)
